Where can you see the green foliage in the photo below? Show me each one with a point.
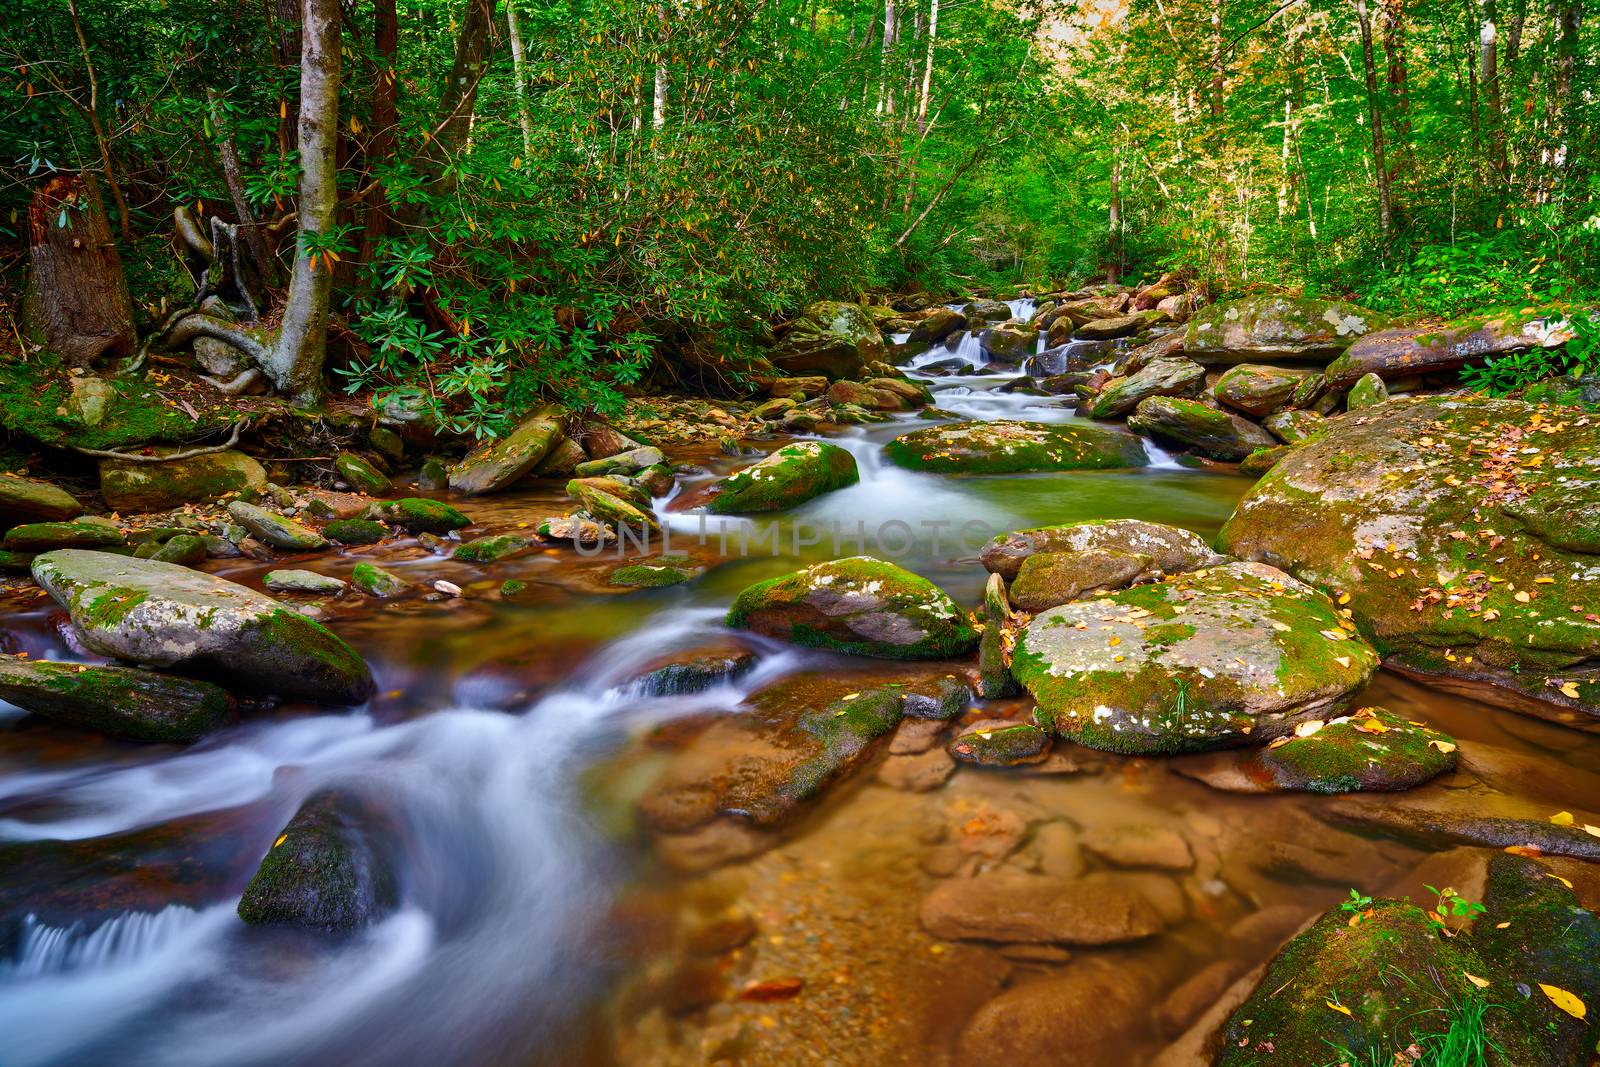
(1522, 370)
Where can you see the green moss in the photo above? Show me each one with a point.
(1002, 746)
(1374, 750)
(355, 531)
(788, 477)
(1002, 447)
(512, 586)
(375, 581)
(35, 403)
(420, 515)
(45, 536)
(490, 549)
(652, 576)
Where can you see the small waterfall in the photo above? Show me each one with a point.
(1022, 307)
(46, 950)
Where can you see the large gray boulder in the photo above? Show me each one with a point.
(1168, 548)
(120, 701)
(27, 500)
(1269, 329)
(504, 462)
(165, 615)
(1401, 353)
(130, 486)
(1163, 377)
(330, 869)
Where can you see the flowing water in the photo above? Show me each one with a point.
(511, 743)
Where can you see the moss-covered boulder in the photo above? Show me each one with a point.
(786, 478)
(1108, 329)
(120, 701)
(491, 549)
(355, 531)
(1210, 431)
(829, 338)
(984, 310)
(1292, 426)
(629, 462)
(1272, 329)
(1009, 342)
(128, 486)
(504, 462)
(785, 745)
(1368, 390)
(29, 500)
(1169, 548)
(1004, 447)
(1462, 530)
(279, 531)
(1051, 578)
(694, 671)
(184, 549)
(416, 514)
(998, 743)
(994, 644)
(361, 474)
(1213, 658)
(663, 571)
(330, 869)
(374, 581)
(859, 605)
(608, 503)
(1401, 353)
(1374, 984)
(937, 324)
(301, 581)
(1370, 750)
(1163, 377)
(170, 616)
(1258, 389)
(44, 536)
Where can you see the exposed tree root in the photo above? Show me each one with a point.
(128, 457)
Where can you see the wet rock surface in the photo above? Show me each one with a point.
(119, 701)
(1014, 447)
(330, 869)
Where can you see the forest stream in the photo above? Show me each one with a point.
(535, 921)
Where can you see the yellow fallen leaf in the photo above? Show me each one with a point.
(1307, 728)
(1562, 818)
(281, 839)
(1346, 1011)
(1371, 726)
(1591, 829)
(1544, 580)
(1279, 741)
(1443, 746)
(1569, 689)
(1564, 1000)
(1532, 851)
(1343, 661)
(1521, 596)
(1481, 983)
(1344, 598)
(1502, 926)
(1558, 878)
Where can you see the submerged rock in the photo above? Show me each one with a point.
(506, 461)
(1004, 447)
(629, 462)
(1275, 328)
(169, 616)
(999, 743)
(329, 869)
(1169, 548)
(1211, 431)
(1100, 909)
(29, 500)
(696, 672)
(120, 701)
(784, 746)
(831, 339)
(859, 605)
(279, 531)
(355, 531)
(1462, 530)
(1211, 659)
(608, 503)
(492, 549)
(788, 477)
(129, 486)
(1009, 342)
(661, 572)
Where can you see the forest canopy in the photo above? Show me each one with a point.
(503, 201)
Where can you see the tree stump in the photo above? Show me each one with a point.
(78, 303)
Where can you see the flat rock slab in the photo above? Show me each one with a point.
(170, 616)
(1169, 548)
(127, 486)
(1275, 328)
(1099, 909)
(29, 500)
(1464, 533)
(1214, 658)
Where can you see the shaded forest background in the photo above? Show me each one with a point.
(564, 199)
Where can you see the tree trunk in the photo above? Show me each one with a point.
(1114, 220)
(287, 23)
(1374, 112)
(1489, 78)
(927, 69)
(295, 366)
(78, 302)
(1569, 20)
(658, 104)
(233, 177)
(1216, 59)
(885, 96)
(460, 97)
(517, 73)
(385, 115)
